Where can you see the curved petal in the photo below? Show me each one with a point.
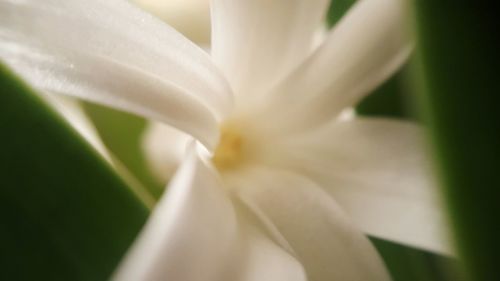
(264, 260)
(197, 234)
(378, 171)
(115, 85)
(361, 51)
(321, 236)
(257, 42)
(190, 17)
(113, 53)
(164, 147)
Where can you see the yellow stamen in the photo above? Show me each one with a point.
(229, 152)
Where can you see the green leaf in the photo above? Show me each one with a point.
(458, 79)
(64, 214)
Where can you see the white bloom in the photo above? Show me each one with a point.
(263, 109)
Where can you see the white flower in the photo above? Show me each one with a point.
(291, 184)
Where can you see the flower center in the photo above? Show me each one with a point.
(229, 152)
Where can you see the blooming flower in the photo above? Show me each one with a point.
(274, 186)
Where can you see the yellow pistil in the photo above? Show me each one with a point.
(229, 152)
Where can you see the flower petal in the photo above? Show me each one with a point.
(321, 236)
(257, 42)
(378, 171)
(264, 260)
(113, 53)
(164, 147)
(190, 17)
(361, 51)
(196, 233)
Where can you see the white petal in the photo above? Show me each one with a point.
(257, 42)
(196, 233)
(378, 171)
(113, 53)
(190, 17)
(164, 147)
(321, 236)
(362, 51)
(264, 260)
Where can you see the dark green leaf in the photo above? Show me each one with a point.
(64, 214)
(458, 67)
